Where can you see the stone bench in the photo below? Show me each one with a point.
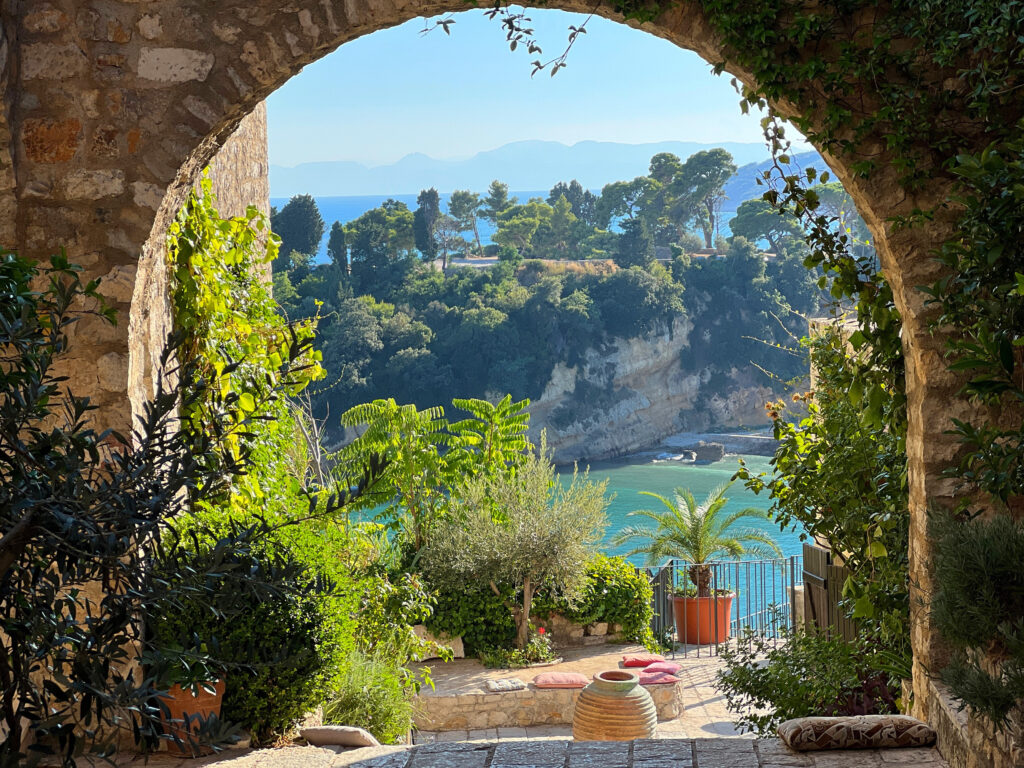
(530, 706)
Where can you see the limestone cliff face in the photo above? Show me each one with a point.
(635, 393)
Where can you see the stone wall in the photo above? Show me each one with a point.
(240, 171)
(239, 178)
(518, 709)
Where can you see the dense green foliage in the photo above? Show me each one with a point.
(806, 675)
(80, 508)
(979, 608)
(368, 693)
(336, 601)
(522, 529)
(270, 685)
(615, 592)
(300, 227)
(844, 480)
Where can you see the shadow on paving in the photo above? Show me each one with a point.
(646, 753)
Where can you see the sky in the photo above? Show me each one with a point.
(397, 91)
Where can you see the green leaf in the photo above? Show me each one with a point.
(863, 608)
(877, 549)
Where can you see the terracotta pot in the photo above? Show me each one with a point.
(614, 707)
(702, 620)
(196, 708)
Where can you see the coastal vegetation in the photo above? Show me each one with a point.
(574, 272)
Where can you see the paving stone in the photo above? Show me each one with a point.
(645, 750)
(726, 760)
(476, 758)
(598, 761)
(454, 746)
(390, 759)
(916, 756)
(453, 736)
(551, 752)
(846, 758)
(608, 748)
(512, 733)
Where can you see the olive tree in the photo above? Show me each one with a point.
(523, 529)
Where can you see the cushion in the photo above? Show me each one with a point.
(499, 686)
(668, 667)
(657, 678)
(641, 659)
(561, 680)
(861, 732)
(338, 735)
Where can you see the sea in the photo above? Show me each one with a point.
(346, 209)
(627, 478)
(350, 208)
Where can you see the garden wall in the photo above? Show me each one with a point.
(530, 706)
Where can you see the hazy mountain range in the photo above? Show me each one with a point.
(521, 165)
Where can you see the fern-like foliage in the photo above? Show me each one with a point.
(494, 435)
(429, 459)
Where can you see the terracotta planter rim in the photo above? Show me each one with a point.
(721, 595)
(616, 676)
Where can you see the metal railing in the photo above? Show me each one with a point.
(740, 598)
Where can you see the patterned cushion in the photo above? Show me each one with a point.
(641, 659)
(338, 735)
(561, 680)
(500, 686)
(668, 667)
(862, 732)
(657, 678)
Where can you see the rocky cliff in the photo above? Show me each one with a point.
(634, 393)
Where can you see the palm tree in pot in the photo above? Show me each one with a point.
(698, 534)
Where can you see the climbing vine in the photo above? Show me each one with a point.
(223, 306)
(943, 75)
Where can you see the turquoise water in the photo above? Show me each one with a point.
(627, 478)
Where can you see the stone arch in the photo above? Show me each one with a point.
(112, 106)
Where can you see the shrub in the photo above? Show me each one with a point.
(371, 695)
(269, 684)
(615, 592)
(538, 650)
(477, 615)
(523, 529)
(78, 509)
(766, 683)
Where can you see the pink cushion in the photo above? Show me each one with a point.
(561, 680)
(657, 678)
(641, 659)
(668, 667)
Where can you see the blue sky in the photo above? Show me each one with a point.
(397, 91)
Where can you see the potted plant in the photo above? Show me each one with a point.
(699, 534)
(191, 687)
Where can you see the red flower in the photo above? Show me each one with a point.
(540, 630)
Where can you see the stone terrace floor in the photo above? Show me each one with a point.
(704, 737)
(560, 753)
(705, 715)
